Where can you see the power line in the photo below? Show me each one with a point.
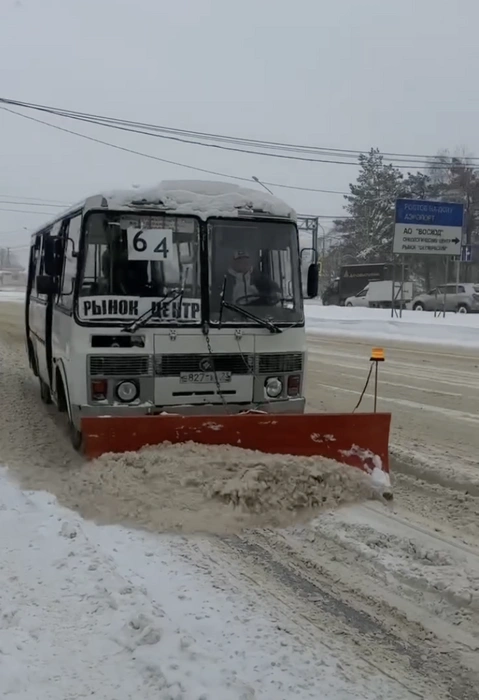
(34, 200)
(117, 124)
(26, 211)
(176, 163)
(180, 134)
(31, 204)
(282, 156)
(163, 160)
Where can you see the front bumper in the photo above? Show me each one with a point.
(289, 406)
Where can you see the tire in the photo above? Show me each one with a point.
(419, 306)
(76, 438)
(349, 304)
(61, 398)
(45, 393)
(462, 309)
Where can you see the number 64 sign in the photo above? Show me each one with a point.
(149, 243)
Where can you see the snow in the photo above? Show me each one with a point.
(411, 560)
(380, 479)
(203, 198)
(12, 295)
(377, 325)
(112, 613)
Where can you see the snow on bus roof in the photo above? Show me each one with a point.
(203, 198)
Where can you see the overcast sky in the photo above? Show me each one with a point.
(344, 73)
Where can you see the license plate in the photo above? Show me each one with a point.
(204, 377)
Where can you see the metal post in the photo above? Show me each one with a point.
(393, 287)
(376, 387)
(445, 288)
(314, 242)
(403, 274)
(458, 273)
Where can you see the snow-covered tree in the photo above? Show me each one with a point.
(368, 227)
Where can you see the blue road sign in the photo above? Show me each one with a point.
(422, 212)
(428, 228)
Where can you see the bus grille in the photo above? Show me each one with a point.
(120, 365)
(279, 363)
(172, 365)
(273, 363)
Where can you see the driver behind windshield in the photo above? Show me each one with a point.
(245, 284)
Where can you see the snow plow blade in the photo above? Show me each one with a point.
(356, 439)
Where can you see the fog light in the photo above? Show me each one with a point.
(273, 387)
(127, 391)
(99, 389)
(294, 383)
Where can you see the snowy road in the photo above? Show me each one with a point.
(364, 603)
(433, 394)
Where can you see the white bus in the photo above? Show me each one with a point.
(184, 299)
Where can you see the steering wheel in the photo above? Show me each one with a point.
(257, 300)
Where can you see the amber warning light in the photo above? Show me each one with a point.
(377, 355)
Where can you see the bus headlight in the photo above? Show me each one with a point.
(127, 391)
(273, 387)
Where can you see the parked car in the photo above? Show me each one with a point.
(462, 298)
(378, 295)
(359, 299)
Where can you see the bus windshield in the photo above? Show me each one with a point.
(257, 265)
(132, 261)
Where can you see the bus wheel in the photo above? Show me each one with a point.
(45, 393)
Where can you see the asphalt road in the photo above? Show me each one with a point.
(432, 393)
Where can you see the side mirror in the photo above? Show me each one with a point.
(53, 256)
(46, 284)
(312, 286)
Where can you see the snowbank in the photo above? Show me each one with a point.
(112, 613)
(376, 324)
(17, 295)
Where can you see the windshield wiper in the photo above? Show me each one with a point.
(145, 317)
(272, 327)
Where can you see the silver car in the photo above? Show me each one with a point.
(462, 298)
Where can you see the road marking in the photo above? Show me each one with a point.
(409, 386)
(437, 375)
(338, 340)
(382, 372)
(447, 412)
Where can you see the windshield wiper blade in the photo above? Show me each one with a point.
(272, 327)
(145, 317)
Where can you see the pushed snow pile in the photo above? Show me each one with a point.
(199, 488)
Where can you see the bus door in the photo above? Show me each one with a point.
(40, 317)
(33, 267)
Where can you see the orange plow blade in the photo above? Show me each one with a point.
(356, 439)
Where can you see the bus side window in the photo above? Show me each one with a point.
(33, 266)
(40, 264)
(71, 235)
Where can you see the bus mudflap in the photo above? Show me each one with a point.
(359, 440)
